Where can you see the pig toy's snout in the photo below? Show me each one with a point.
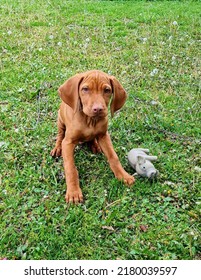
(152, 173)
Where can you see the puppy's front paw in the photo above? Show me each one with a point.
(129, 180)
(74, 196)
(56, 152)
(126, 178)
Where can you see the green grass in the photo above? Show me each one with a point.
(153, 48)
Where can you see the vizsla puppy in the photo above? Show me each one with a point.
(83, 117)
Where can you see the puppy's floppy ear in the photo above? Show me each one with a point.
(119, 95)
(69, 91)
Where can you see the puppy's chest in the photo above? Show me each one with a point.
(84, 133)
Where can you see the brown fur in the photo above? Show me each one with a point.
(83, 117)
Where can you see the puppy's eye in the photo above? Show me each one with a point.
(107, 90)
(85, 89)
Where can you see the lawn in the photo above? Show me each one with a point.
(153, 48)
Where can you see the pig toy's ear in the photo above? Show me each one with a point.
(140, 160)
(151, 158)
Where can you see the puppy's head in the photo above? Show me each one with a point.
(91, 92)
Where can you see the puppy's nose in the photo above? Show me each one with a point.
(97, 108)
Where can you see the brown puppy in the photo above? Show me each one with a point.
(83, 117)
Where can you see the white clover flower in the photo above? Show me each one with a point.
(51, 37)
(9, 32)
(87, 40)
(197, 168)
(4, 50)
(40, 49)
(154, 72)
(173, 60)
(59, 44)
(154, 102)
(85, 46)
(144, 40)
(2, 143)
(175, 23)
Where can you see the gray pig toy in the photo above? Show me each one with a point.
(141, 162)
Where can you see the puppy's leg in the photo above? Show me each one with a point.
(73, 192)
(115, 165)
(94, 146)
(56, 152)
